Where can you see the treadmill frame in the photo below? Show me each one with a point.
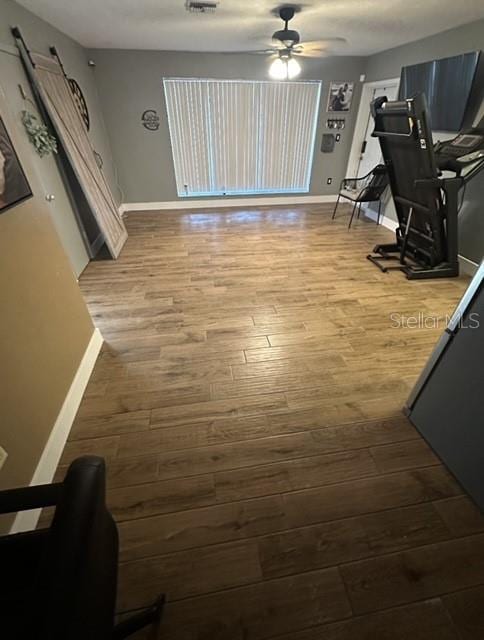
(426, 237)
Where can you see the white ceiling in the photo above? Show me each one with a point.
(243, 25)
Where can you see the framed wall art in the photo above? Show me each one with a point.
(340, 96)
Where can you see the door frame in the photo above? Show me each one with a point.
(362, 122)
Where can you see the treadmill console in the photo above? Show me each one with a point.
(461, 145)
(463, 150)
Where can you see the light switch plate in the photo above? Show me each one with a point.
(3, 456)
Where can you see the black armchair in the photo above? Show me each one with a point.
(368, 188)
(60, 583)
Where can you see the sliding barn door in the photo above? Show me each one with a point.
(54, 91)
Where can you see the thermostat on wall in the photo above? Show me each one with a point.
(327, 144)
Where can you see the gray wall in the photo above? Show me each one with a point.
(388, 64)
(40, 35)
(131, 81)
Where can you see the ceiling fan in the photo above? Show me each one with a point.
(287, 46)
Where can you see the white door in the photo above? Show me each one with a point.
(371, 153)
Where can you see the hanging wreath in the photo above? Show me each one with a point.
(38, 134)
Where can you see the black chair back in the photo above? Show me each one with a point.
(78, 570)
(61, 581)
(377, 184)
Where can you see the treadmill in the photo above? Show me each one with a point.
(426, 182)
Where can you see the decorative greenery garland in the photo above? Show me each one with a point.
(38, 134)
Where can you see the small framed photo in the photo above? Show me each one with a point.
(340, 96)
(14, 187)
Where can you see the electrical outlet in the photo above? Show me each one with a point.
(3, 456)
(329, 181)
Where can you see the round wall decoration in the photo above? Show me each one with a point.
(80, 101)
(150, 120)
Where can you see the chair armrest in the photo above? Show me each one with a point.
(351, 179)
(359, 178)
(26, 498)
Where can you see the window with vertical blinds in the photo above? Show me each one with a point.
(241, 137)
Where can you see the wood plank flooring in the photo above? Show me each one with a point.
(248, 403)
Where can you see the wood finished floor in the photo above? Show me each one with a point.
(247, 401)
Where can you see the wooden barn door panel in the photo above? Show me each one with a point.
(55, 93)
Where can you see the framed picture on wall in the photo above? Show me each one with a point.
(340, 96)
(14, 187)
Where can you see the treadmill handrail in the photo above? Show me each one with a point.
(390, 134)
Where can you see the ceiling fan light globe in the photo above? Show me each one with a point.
(293, 68)
(278, 70)
(284, 69)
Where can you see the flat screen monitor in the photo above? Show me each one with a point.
(447, 84)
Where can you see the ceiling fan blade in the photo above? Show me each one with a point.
(312, 54)
(317, 49)
(257, 52)
(266, 52)
(321, 45)
(310, 43)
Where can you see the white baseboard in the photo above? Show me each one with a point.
(384, 220)
(27, 520)
(225, 202)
